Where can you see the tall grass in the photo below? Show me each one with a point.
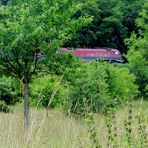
(126, 128)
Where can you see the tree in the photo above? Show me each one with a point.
(113, 21)
(138, 51)
(87, 36)
(4, 2)
(106, 29)
(130, 12)
(30, 27)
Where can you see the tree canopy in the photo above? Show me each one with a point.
(138, 53)
(114, 21)
(30, 27)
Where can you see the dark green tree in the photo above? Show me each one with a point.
(130, 12)
(113, 21)
(87, 36)
(106, 29)
(4, 2)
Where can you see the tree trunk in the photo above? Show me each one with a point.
(26, 103)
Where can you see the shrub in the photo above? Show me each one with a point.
(85, 86)
(45, 88)
(9, 90)
(138, 65)
(61, 66)
(4, 107)
(96, 87)
(121, 84)
(88, 89)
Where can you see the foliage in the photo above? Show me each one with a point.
(89, 89)
(4, 2)
(9, 90)
(115, 83)
(87, 36)
(112, 31)
(130, 10)
(34, 28)
(4, 107)
(121, 83)
(45, 89)
(60, 62)
(113, 21)
(28, 28)
(97, 87)
(138, 53)
(56, 82)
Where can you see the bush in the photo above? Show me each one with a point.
(138, 65)
(60, 62)
(85, 86)
(9, 90)
(45, 89)
(121, 84)
(96, 87)
(4, 107)
(88, 90)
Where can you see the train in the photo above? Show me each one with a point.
(95, 54)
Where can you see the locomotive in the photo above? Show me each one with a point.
(89, 54)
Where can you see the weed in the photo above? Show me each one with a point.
(128, 126)
(93, 136)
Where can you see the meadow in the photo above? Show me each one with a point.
(127, 127)
(87, 101)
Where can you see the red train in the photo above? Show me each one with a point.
(106, 54)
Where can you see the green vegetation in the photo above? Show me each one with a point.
(47, 89)
(99, 86)
(4, 107)
(138, 53)
(88, 104)
(9, 93)
(114, 21)
(9, 90)
(62, 131)
(96, 86)
(30, 27)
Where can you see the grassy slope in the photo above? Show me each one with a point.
(60, 131)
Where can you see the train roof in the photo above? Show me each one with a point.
(90, 49)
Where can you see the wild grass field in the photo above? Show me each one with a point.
(128, 127)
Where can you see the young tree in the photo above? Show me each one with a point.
(30, 27)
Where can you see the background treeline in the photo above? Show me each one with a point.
(113, 22)
(76, 86)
